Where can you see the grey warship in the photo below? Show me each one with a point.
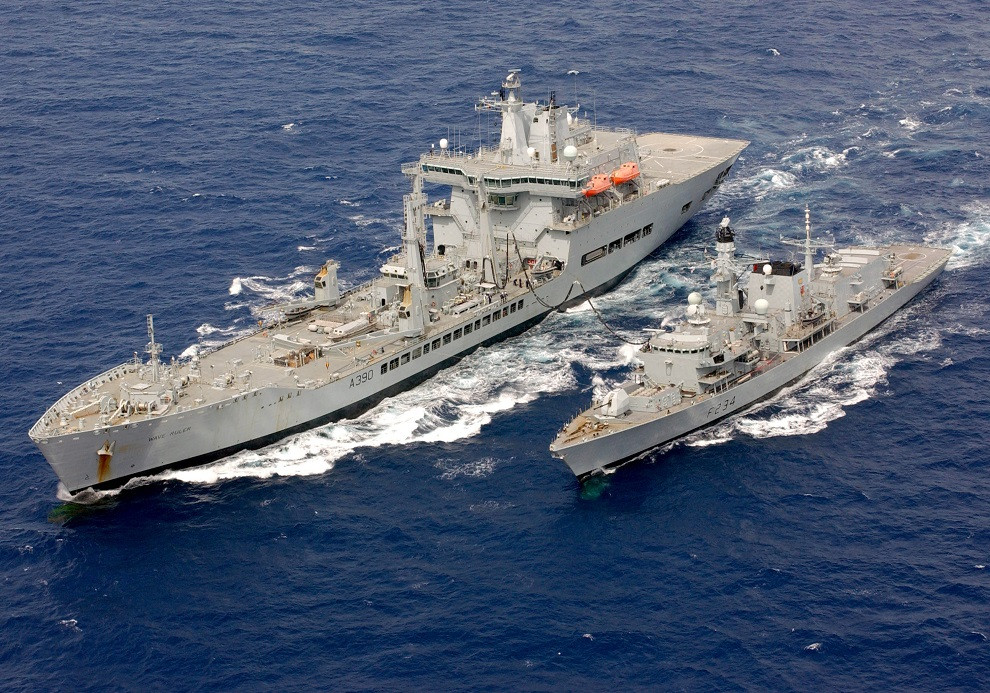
(786, 319)
(557, 209)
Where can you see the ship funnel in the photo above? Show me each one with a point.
(325, 287)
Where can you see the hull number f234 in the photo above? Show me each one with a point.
(722, 407)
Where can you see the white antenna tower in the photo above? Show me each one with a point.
(808, 244)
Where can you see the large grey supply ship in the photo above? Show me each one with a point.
(755, 341)
(559, 209)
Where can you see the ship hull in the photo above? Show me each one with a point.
(594, 455)
(260, 417)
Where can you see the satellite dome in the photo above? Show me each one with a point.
(570, 152)
(694, 298)
(767, 270)
(692, 310)
(444, 143)
(531, 152)
(761, 306)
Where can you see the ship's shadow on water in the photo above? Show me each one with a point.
(97, 508)
(72, 513)
(667, 471)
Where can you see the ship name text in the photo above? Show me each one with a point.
(162, 436)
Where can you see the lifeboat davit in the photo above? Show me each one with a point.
(599, 183)
(625, 173)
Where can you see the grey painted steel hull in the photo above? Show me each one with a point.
(264, 415)
(611, 450)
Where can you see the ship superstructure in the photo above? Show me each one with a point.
(557, 210)
(771, 322)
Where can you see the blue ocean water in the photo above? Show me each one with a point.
(198, 160)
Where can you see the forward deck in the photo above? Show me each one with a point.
(294, 353)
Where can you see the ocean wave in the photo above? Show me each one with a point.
(212, 336)
(969, 239)
(207, 329)
(817, 158)
(478, 469)
(275, 290)
(363, 221)
(910, 123)
(764, 183)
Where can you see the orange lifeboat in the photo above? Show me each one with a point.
(599, 183)
(625, 173)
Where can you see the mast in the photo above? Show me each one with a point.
(809, 247)
(515, 140)
(153, 348)
(414, 231)
(413, 234)
(726, 296)
(486, 234)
